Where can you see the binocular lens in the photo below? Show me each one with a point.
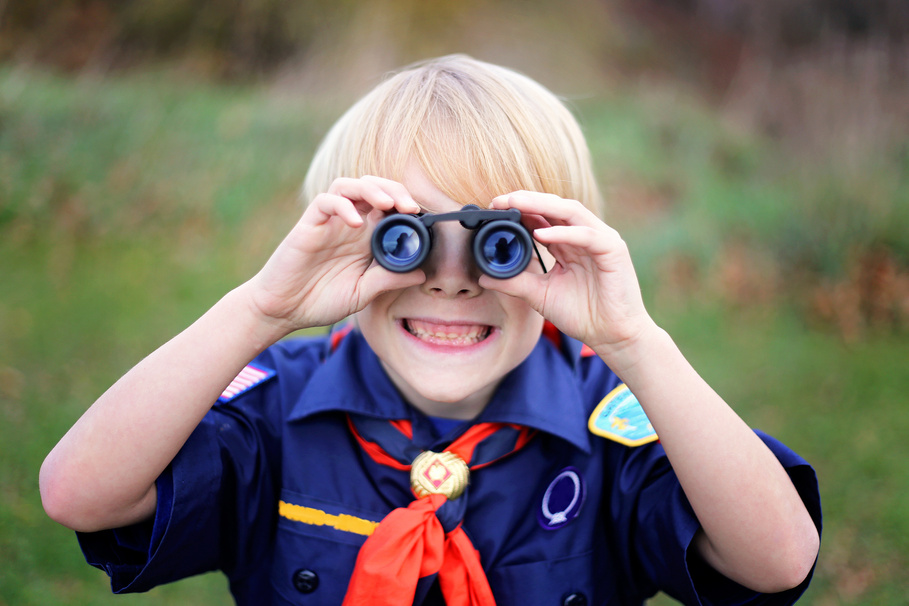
(502, 250)
(401, 243)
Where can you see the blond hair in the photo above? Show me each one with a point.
(477, 130)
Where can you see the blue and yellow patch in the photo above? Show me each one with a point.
(620, 418)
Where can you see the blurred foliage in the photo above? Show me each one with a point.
(252, 36)
(233, 38)
(715, 213)
(142, 155)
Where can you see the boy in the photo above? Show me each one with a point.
(459, 444)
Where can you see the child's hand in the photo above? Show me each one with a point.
(591, 293)
(323, 271)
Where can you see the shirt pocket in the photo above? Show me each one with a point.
(548, 582)
(316, 547)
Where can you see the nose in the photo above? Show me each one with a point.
(450, 269)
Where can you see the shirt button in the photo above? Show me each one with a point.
(306, 581)
(575, 599)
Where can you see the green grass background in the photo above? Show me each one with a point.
(129, 205)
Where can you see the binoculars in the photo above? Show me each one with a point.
(501, 245)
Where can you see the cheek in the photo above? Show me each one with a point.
(525, 325)
(374, 317)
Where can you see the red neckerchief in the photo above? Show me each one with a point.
(411, 542)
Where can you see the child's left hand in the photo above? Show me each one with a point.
(755, 528)
(591, 292)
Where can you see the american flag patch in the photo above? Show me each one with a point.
(248, 378)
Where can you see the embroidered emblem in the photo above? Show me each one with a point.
(620, 418)
(248, 378)
(562, 500)
(439, 473)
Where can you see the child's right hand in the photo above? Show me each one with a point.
(324, 271)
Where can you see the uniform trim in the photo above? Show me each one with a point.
(317, 517)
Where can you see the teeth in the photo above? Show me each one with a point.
(453, 336)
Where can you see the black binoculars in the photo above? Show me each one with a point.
(501, 244)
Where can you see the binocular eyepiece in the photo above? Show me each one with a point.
(501, 245)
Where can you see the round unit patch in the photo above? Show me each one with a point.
(562, 500)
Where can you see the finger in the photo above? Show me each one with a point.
(530, 220)
(554, 209)
(592, 248)
(362, 190)
(403, 201)
(526, 285)
(378, 280)
(599, 240)
(533, 222)
(327, 206)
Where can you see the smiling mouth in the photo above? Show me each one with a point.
(454, 335)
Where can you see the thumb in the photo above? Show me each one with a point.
(377, 280)
(526, 285)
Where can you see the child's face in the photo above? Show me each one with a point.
(448, 342)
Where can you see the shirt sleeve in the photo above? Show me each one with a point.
(151, 553)
(216, 503)
(662, 526)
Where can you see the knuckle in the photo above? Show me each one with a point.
(339, 185)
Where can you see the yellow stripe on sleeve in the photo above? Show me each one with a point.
(317, 517)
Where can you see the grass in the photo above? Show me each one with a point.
(693, 182)
(128, 206)
(841, 406)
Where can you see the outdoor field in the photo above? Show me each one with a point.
(133, 199)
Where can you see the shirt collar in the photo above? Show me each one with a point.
(542, 392)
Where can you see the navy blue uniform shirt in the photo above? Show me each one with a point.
(273, 490)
